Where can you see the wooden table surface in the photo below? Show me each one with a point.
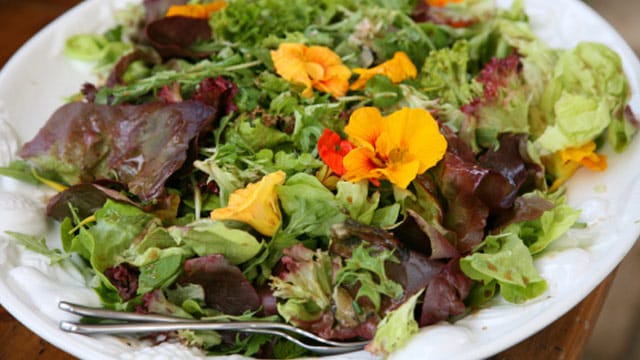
(19, 20)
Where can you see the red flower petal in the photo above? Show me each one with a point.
(332, 150)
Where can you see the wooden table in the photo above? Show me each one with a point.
(19, 20)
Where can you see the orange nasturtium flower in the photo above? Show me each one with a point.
(312, 66)
(397, 69)
(397, 147)
(569, 160)
(332, 150)
(442, 3)
(199, 11)
(256, 205)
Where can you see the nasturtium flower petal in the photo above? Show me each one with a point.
(418, 132)
(401, 173)
(396, 148)
(199, 11)
(256, 205)
(566, 162)
(288, 61)
(314, 67)
(365, 126)
(332, 150)
(397, 69)
(442, 3)
(359, 164)
(586, 156)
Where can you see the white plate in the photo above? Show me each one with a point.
(38, 78)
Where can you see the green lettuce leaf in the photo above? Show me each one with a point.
(506, 259)
(578, 120)
(159, 274)
(396, 328)
(311, 208)
(588, 93)
(208, 237)
(538, 234)
(354, 197)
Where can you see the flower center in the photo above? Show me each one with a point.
(397, 156)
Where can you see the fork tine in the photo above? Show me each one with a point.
(147, 327)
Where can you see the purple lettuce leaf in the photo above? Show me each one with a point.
(512, 162)
(413, 274)
(225, 287)
(467, 214)
(419, 235)
(445, 294)
(85, 198)
(219, 93)
(141, 145)
(174, 36)
(467, 194)
(525, 208)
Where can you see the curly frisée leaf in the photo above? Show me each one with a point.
(363, 266)
(307, 285)
(395, 330)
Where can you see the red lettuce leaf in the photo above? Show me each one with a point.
(512, 162)
(85, 198)
(475, 194)
(125, 278)
(445, 294)
(141, 145)
(225, 287)
(525, 208)
(219, 93)
(466, 214)
(174, 36)
(419, 235)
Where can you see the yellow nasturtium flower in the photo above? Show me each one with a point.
(397, 147)
(315, 67)
(256, 205)
(199, 11)
(397, 69)
(568, 161)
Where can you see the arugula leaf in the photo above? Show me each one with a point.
(39, 245)
(159, 274)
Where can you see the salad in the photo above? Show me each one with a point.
(359, 169)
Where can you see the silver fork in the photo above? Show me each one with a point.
(147, 323)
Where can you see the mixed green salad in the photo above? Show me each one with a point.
(356, 168)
